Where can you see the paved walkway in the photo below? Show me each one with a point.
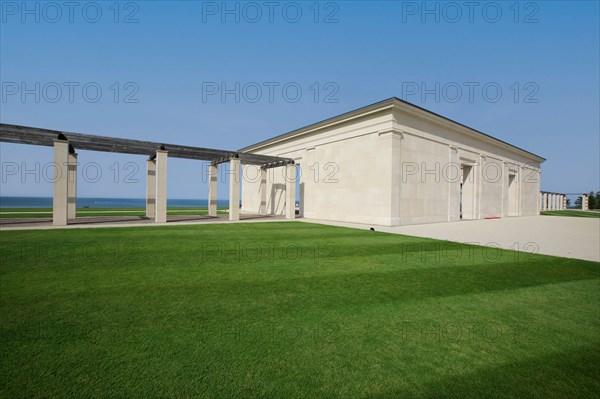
(127, 221)
(570, 237)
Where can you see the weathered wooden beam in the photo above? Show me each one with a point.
(277, 164)
(45, 137)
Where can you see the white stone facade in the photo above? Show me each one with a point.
(393, 163)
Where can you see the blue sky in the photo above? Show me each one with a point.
(154, 63)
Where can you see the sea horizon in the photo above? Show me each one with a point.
(13, 201)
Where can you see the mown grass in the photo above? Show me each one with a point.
(290, 310)
(572, 213)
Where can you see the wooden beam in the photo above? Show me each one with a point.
(45, 137)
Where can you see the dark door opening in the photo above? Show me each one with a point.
(467, 192)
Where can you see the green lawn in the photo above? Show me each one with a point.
(89, 212)
(290, 310)
(573, 213)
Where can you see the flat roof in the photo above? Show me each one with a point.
(388, 103)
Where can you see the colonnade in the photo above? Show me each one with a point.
(64, 200)
(552, 201)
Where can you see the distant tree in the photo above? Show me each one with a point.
(592, 203)
(568, 202)
(597, 199)
(578, 203)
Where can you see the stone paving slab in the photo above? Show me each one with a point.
(569, 237)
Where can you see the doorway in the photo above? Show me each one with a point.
(299, 192)
(467, 192)
(513, 195)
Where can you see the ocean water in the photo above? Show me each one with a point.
(92, 202)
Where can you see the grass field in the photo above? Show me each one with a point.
(290, 310)
(572, 213)
(83, 212)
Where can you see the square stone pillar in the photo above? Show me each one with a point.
(212, 189)
(290, 191)
(161, 186)
(584, 202)
(234, 189)
(61, 183)
(453, 177)
(262, 209)
(72, 187)
(564, 202)
(150, 188)
(545, 202)
(559, 201)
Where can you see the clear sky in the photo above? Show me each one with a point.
(527, 73)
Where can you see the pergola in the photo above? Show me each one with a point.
(65, 157)
(550, 201)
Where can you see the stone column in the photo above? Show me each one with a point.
(150, 188)
(72, 187)
(161, 186)
(540, 202)
(213, 175)
(61, 179)
(559, 200)
(262, 210)
(234, 189)
(584, 202)
(545, 201)
(564, 202)
(290, 191)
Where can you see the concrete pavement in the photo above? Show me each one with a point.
(569, 237)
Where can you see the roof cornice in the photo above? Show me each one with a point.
(474, 133)
(393, 103)
(345, 117)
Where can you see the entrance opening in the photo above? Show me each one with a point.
(467, 192)
(299, 191)
(512, 195)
